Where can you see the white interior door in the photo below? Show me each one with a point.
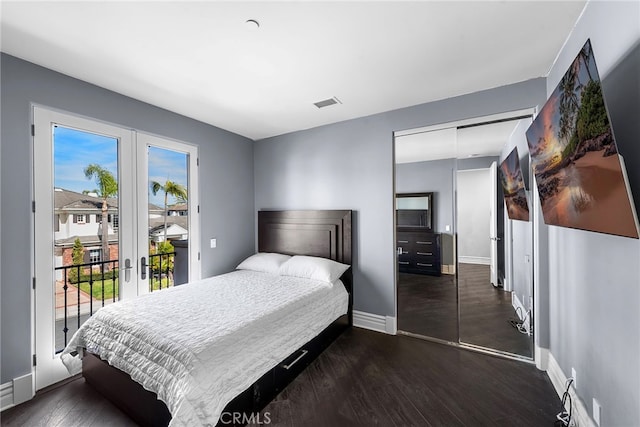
(493, 223)
(75, 271)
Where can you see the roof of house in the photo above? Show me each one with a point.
(70, 200)
(172, 230)
(178, 207)
(156, 224)
(67, 200)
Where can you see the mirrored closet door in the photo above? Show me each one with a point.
(427, 296)
(478, 292)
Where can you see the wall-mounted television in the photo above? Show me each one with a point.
(515, 196)
(580, 176)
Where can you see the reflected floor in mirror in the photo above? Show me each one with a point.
(427, 306)
(486, 311)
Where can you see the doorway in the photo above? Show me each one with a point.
(95, 214)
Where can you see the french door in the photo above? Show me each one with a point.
(112, 207)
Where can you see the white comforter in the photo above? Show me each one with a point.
(199, 345)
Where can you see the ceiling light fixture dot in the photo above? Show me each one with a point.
(252, 24)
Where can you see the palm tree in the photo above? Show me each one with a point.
(586, 55)
(107, 187)
(568, 105)
(169, 188)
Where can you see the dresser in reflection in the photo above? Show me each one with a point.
(418, 252)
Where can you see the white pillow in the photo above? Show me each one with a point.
(265, 262)
(310, 267)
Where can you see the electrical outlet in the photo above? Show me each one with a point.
(575, 378)
(597, 411)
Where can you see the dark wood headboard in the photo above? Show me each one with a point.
(323, 233)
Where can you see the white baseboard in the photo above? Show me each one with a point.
(391, 326)
(580, 412)
(541, 357)
(506, 285)
(374, 322)
(474, 260)
(6, 396)
(17, 391)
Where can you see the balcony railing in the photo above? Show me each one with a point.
(84, 288)
(161, 274)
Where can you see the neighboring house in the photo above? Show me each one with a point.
(79, 216)
(177, 228)
(179, 209)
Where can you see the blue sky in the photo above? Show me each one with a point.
(74, 150)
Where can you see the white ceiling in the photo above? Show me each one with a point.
(199, 59)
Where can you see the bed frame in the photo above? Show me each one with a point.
(325, 233)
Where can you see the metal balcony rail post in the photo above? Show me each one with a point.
(156, 273)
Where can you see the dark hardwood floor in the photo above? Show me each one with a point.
(71, 403)
(428, 305)
(485, 312)
(363, 379)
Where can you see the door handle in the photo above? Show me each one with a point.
(143, 268)
(127, 270)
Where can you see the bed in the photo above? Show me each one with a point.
(238, 358)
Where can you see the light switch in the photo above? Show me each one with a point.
(213, 243)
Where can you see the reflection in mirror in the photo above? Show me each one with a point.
(491, 315)
(414, 210)
(427, 298)
(482, 296)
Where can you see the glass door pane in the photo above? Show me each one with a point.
(86, 227)
(425, 197)
(168, 211)
(167, 207)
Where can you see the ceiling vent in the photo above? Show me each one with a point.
(327, 102)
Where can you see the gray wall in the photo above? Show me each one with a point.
(594, 279)
(350, 165)
(226, 182)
